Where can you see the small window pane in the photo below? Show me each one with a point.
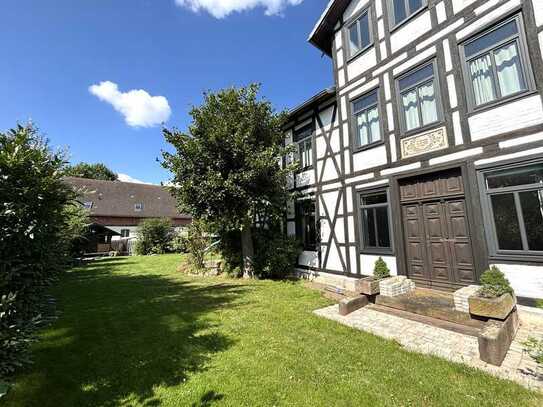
(425, 72)
(383, 238)
(509, 70)
(491, 39)
(400, 13)
(362, 126)
(308, 153)
(354, 41)
(369, 228)
(364, 27)
(532, 212)
(414, 5)
(375, 199)
(506, 222)
(365, 102)
(428, 105)
(373, 123)
(527, 175)
(411, 110)
(481, 79)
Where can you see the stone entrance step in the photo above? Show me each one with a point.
(439, 323)
(430, 303)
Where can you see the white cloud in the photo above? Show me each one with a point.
(138, 107)
(222, 8)
(127, 178)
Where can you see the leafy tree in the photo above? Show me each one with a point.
(154, 236)
(93, 171)
(197, 242)
(35, 236)
(227, 168)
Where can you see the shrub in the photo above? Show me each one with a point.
(178, 242)
(381, 269)
(35, 236)
(494, 283)
(275, 254)
(197, 243)
(154, 236)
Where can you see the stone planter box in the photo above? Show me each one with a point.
(496, 308)
(370, 285)
(394, 286)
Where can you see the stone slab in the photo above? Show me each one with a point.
(496, 308)
(496, 338)
(348, 305)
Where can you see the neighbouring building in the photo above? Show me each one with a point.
(428, 150)
(116, 208)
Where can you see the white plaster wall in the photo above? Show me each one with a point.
(459, 5)
(325, 228)
(330, 171)
(540, 36)
(334, 261)
(512, 116)
(334, 141)
(441, 12)
(320, 144)
(353, 8)
(309, 259)
(363, 89)
(370, 158)
(367, 264)
(486, 19)
(361, 64)
(527, 281)
(538, 10)
(133, 230)
(411, 31)
(458, 137)
(305, 178)
(532, 138)
(421, 56)
(339, 230)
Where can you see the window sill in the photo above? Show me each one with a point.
(408, 19)
(510, 99)
(377, 252)
(368, 146)
(517, 258)
(421, 130)
(305, 169)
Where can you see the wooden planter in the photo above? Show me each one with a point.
(370, 285)
(496, 308)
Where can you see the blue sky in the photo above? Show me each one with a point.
(172, 50)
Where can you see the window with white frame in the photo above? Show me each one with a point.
(496, 64)
(303, 137)
(359, 34)
(514, 207)
(419, 98)
(367, 128)
(401, 10)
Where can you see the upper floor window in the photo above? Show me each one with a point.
(303, 137)
(88, 205)
(419, 95)
(401, 10)
(138, 207)
(495, 63)
(514, 201)
(375, 221)
(366, 119)
(359, 34)
(306, 223)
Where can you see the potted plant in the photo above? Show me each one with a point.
(495, 299)
(370, 285)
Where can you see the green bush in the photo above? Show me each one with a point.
(178, 242)
(197, 243)
(275, 254)
(36, 236)
(381, 269)
(154, 236)
(494, 283)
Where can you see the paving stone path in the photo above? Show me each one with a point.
(419, 337)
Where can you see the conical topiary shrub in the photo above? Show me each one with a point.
(381, 269)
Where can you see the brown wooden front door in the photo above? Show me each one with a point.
(436, 230)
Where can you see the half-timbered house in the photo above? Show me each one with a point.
(428, 151)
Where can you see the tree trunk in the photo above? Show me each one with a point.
(247, 250)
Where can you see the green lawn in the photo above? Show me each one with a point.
(133, 331)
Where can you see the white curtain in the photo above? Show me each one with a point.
(410, 108)
(508, 67)
(481, 77)
(362, 125)
(428, 105)
(373, 123)
(354, 46)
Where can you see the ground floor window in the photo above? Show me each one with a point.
(306, 223)
(125, 232)
(375, 221)
(513, 198)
